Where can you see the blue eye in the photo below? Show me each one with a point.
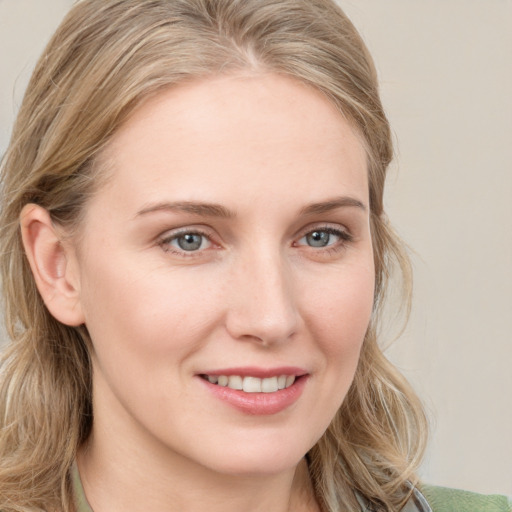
(188, 242)
(318, 238)
(324, 237)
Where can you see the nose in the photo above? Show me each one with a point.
(262, 305)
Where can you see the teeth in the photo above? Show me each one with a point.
(235, 382)
(290, 380)
(252, 384)
(269, 385)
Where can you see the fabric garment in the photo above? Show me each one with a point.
(429, 499)
(443, 499)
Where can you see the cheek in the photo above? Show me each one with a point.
(341, 308)
(145, 330)
(340, 314)
(146, 314)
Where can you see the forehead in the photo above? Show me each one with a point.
(259, 134)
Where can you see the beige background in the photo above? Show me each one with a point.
(446, 72)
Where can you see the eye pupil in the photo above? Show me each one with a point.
(318, 238)
(190, 242)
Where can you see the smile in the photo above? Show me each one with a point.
(250, 384)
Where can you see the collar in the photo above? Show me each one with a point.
(416, 503)
(79, 499)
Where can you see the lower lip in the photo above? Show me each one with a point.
(259, 403)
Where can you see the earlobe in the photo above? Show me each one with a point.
(53, 265)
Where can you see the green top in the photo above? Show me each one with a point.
(442, 499)
(80, 500)
(430, 499)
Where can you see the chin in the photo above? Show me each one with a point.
(257, 458)
(244, 466)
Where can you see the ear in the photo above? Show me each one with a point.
(53, 265)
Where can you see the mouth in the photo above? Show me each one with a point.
(252, 384)
(257, 391)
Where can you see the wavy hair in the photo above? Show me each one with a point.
(106, 56)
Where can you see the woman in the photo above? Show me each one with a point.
(188, 330)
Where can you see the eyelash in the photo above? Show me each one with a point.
(344, 238)
(165, 242)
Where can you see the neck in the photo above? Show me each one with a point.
(117, 478)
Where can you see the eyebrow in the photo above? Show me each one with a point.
(217, 210)
(196, 208)
(333, 204)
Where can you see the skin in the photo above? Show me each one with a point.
(256, 293)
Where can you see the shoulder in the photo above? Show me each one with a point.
(443, 499)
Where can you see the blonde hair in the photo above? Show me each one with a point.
(104, 59)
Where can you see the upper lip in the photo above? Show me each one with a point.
(254, 371)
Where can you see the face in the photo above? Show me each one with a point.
(226, 274)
